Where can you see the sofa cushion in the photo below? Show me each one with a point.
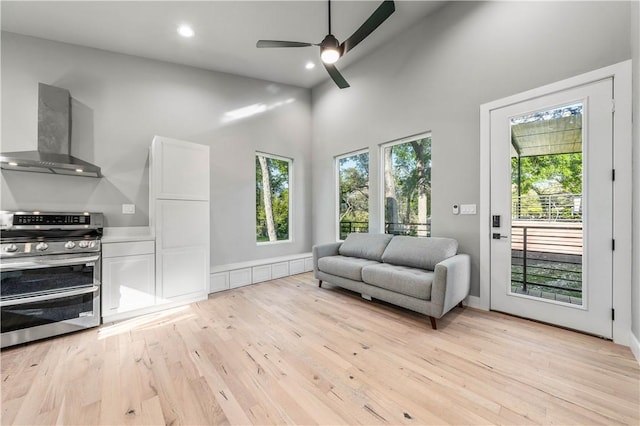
(343, 266)
(419, 252)
(367, 246)
(412, 282)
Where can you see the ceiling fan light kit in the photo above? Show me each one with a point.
(330, 48)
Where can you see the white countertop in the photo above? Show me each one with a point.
(127, 233)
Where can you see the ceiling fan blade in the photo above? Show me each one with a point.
(336, 76)
(378, 17)
(279, 43)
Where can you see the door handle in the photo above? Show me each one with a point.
(497, 236)
(48, 296)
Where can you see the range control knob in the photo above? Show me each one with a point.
(69, 245)
(83, 244)
(42, 246)
(11, 248)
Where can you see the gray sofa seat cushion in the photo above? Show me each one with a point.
(344, 266)
(418, 252)
(401, 279)
(366, 246)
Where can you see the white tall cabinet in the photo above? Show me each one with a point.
(179, 215)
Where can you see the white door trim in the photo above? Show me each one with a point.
(622, 157)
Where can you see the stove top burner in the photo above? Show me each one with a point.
(44, 233)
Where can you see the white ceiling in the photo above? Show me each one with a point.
(225, 31)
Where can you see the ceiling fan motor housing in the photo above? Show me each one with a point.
(330, 50)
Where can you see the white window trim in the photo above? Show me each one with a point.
(290, 207)
(382, 146)
(336, 179)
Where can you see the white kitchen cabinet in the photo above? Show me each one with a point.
(180, 216)
(180, 170)
(128, 282)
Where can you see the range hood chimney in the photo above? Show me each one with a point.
(54, 140)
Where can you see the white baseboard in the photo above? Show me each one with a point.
(474, 302)
(634, 344)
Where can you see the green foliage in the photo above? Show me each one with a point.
(549, 186)
(279, 181)
(411, 170)
(353, 176)
(548, 174)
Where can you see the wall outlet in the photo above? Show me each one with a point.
(128, 209)
(468, 209)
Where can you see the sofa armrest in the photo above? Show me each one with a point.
(451, 282)
(322, 250)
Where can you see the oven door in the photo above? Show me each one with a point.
(48, 295)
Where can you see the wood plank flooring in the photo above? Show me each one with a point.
(288, 352)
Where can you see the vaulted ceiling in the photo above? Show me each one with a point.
(225, 31)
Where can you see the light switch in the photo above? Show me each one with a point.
(468, 209)
(128, 209)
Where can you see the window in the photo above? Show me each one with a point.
(353, 193)
(273, 204)
(406, 166)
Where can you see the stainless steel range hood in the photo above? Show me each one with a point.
(54, 140)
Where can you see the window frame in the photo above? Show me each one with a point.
(336, 168)
(290, 161)
(382, 146)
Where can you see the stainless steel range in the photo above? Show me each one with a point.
(49, 274)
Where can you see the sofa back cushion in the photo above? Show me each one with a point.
(366, 246)
(419, 252)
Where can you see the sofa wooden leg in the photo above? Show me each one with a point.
(433, 323)
(319, 283)
(460, 305)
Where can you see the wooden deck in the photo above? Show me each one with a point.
(548, 237)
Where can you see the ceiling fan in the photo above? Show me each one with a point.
(330, 49)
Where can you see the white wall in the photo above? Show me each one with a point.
(635, 279)
(120, 103)
(436, 75)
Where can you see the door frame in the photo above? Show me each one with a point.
(622, 191)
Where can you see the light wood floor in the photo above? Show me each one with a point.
(287, 351)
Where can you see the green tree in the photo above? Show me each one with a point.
(353, 177)
(272, 199)
(408, 186)
(546, 185)
(547, 173)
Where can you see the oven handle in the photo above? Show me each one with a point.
(43, 297)
(40, 263)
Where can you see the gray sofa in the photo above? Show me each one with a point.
(425, 275)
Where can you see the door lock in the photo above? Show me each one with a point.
(497, 236)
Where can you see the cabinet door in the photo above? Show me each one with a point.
(127, 283)
(182, 248)
(180, 170)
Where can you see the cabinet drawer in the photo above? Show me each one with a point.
(261, 273)
(296, 266)
(239, 277)
(127, 248)
(279, 270)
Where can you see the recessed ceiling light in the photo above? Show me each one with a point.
(310, 65)
(185, 31)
